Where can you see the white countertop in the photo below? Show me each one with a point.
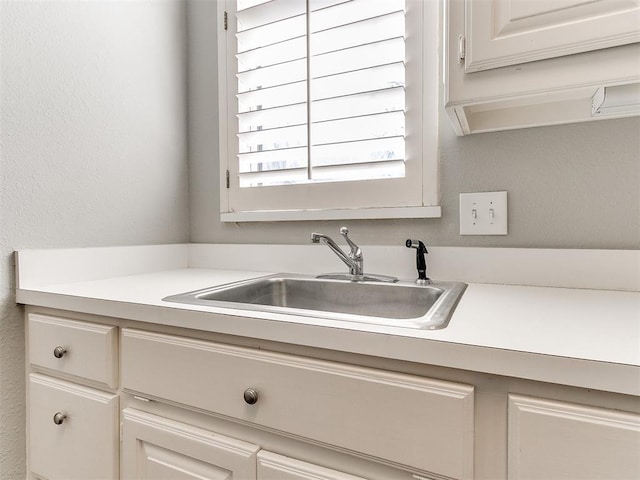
(572, 336)
(579, 337)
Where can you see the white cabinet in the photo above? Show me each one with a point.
(72, 430)
(154, 448)
(508, 32)
(188, 405)
(516, 63)
(72, 427)
(272, 466)
(559, 440)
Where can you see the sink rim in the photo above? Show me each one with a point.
(437, 316)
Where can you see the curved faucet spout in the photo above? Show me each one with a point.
(353, 260)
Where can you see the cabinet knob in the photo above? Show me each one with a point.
(59, 352)
(59, 418)
(250, 396)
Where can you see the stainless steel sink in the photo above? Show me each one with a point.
(398, 304)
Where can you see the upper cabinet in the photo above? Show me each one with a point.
(509, 32)
(519, 63)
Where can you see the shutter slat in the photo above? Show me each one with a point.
(367, 127)
(376, 170)
(347, 13)
(273, 139)
(274, 160)
(285, 116)
(244, 4)
(289, 176)
(363, 56)
(365, 31)
(272, 97)
(328, 173)
(271, 33)
(365, 151)
(272, 55)
(268, 12)
(272, 76)
(377, 78)
(362, 103)
(317, 5)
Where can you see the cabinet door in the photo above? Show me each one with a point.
(550, 439)
(154, 448)
(73, 431)
(277, 467)
(509, 32)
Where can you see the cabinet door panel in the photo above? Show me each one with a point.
(154, 447)
(85, 444)
(277, 467)
(422, 423)
(509, 32)
(550, 439)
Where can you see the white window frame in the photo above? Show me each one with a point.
(415, 196)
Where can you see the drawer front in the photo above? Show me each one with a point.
(81, 445)
(78, 348)
(408, 421)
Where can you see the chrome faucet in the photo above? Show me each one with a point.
(353, 259)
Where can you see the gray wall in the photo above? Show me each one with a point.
(93, 148)
(571, 186)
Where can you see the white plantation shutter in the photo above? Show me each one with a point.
(321, 91)
(323, 110)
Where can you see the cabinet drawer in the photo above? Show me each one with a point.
(407, 421)
(85, 349)
(85, 443)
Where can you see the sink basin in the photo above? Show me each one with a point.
(399, 304)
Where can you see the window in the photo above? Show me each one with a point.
(323, 113)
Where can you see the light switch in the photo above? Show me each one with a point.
(483, 213)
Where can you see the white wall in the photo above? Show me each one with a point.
(93, 147)
(571, 186)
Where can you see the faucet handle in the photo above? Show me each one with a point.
(356, 252)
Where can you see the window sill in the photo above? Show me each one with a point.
(342, 214)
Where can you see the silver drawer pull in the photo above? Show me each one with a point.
(250, 396)
(59, 418)
(59, 352)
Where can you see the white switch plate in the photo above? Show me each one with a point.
(483, 213)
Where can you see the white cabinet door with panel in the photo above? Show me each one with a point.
(154, 448)
(272, 466)
(518, 63)
(72, 430)
(509, 32)
(564, 441)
